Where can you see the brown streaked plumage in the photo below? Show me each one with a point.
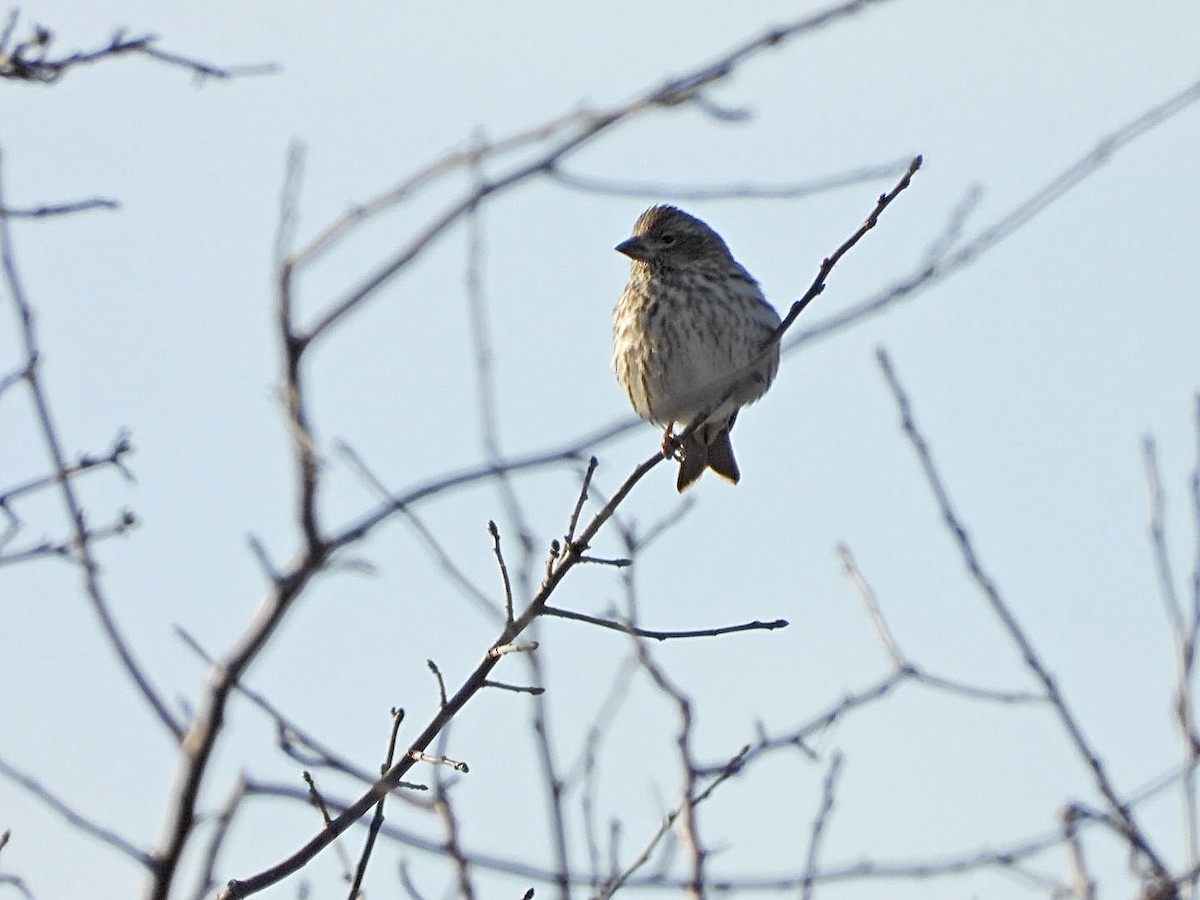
(688, 336)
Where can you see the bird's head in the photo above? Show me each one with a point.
(666, 237)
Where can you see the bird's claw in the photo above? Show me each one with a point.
(670, 445)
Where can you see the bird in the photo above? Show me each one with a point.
(692, 334)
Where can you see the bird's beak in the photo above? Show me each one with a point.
(634, 248)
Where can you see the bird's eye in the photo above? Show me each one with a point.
(668, 240)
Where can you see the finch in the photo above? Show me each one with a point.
(689, 336)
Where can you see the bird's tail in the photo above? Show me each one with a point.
(699, 454)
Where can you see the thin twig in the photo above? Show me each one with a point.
(552, 780)
(818, 285)
(287, 728)
(452, 846)
(1158, 541)
(625, 877)
(456, 765)
(483, 359)
(29, 62)
(318, 801)
(66, 549)
(1194, 635)
(900, 662)
(573, 522)
(628, 628)
(18, 885)
(6, 33)
(451, 569)
(89, 568)
(688, 820)
(376, 820)
(58, 209)
(441, 682)
(205, 880)
(817, 832)
(973, 692)
(74, 818)
(867, 595)
(745, 191)
(115, 457)
(508, 595)
(1083, 885)
(515, 688)
(315, 796)
(1181, 631)
(407, 883)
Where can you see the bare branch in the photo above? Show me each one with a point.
(1119, 808)
(30, 60)
(628, 628)
(1195, 487)
(689, 823)
(817, 832)
(407, 883)
(1082, 883)
(453, 846)
(376, 820)
(58, 209)
(794, 191)
(1185, 649)
(456, 765)
(115, 457)
(900, 662)
(317, 800)
(1158, 540)
(74, 818)
(74, 509)
(867, 595)
(289, 732)
(512, 647)
(625, 877)
(483, 359)
(66, 549)
(508, 596)
(552, 780)
(515, 688)
(573, 522)
(206, 880)
(441, 682)
(818, 285)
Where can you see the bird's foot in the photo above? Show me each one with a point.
(670, 445)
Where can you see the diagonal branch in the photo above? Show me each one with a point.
(73, 816)
(1119, 808)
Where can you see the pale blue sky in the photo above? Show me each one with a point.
(1034, 373)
